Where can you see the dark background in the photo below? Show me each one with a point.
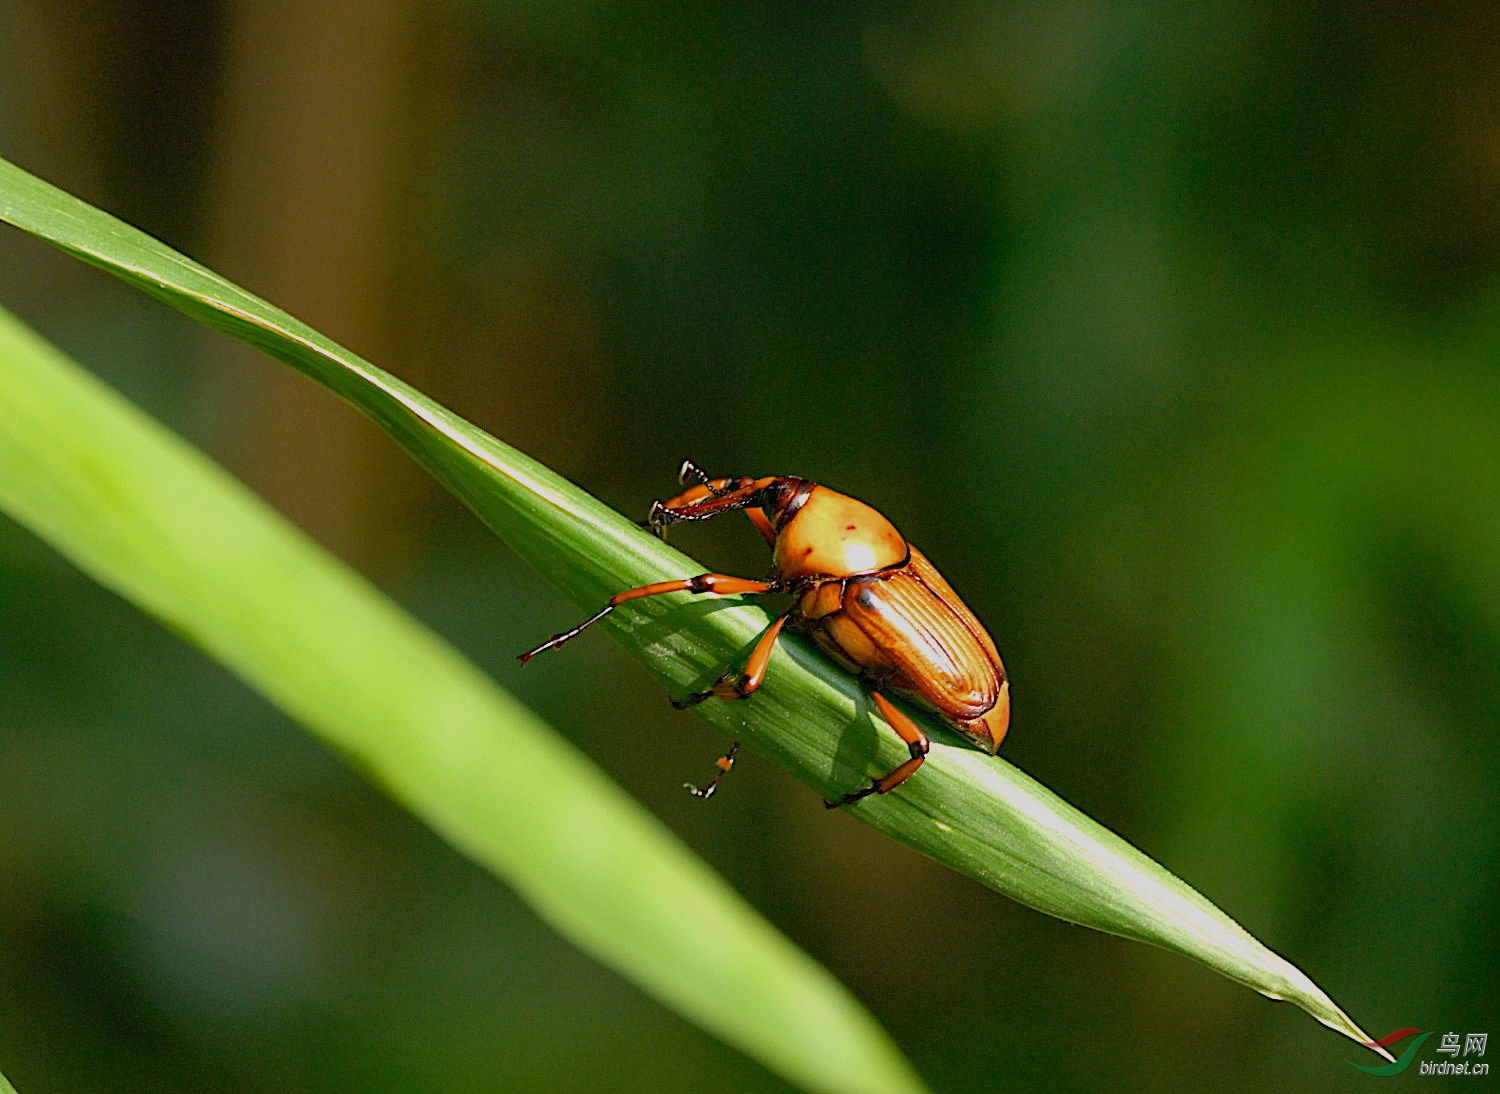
(1167, 330)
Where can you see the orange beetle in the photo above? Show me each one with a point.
(866, 596)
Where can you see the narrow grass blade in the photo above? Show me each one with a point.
(149, 517)
(977, 814)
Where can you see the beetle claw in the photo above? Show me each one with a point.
(852, 797)
(660, 519)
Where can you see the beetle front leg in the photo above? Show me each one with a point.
(708, 498)
(916, 742)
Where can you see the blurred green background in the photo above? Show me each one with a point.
(1167, 330)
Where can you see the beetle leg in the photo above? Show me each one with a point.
(733, 685)
(740, 685)
(662, 515)
(701, 502)
(689, 471)
(916, 743)
(703, 489)
(725, 764)
(706, 500)
(762, 522)
(719, 584)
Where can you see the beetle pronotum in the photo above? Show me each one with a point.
(868, 598)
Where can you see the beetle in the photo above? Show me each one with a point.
(868, 598)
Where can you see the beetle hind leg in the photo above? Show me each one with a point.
(917, 745)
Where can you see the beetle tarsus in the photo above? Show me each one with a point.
(725, 764)
(558, 639)
(732, 685)
(852, 797)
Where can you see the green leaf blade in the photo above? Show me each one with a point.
(975, 813)
(150, 518)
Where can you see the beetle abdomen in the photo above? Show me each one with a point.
(929, 576)
(905, 628)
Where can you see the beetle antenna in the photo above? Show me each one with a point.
(690, 471)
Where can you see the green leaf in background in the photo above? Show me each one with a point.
(151, 518)
(977, 814)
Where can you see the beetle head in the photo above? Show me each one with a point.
(782, 498)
